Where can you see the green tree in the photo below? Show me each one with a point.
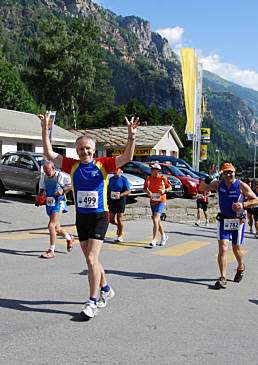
(66, 68)
(13, 93)
(152, 115)
(135, 108)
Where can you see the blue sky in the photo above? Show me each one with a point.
(223, 32)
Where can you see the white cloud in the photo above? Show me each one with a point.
(173, 35)
(230, 72)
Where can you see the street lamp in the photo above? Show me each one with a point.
(218, 158)
(254, 152)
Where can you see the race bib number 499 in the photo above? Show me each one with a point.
(87, 199)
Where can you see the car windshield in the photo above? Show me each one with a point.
(145, 167)
(40, 160)
(175, 171)
(190, 173)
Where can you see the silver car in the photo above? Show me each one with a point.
(21, 171)
(136, 184)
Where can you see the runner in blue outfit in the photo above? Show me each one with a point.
(89, 177)
(231, 219)
(54, 185)
(119, 189)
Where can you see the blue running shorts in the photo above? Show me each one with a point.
(236, 236)
(157, 208)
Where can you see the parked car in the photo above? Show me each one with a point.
(21, 171)
(136, 184)
(178, 162)
(143, 170)
(190, 184)
(189, 173)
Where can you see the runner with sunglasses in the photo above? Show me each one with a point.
(231, 219)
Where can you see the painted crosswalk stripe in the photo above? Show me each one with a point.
(122, 246)
(23, 236)
(182, 248)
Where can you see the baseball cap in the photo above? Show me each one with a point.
(156, 166)
(227, 167)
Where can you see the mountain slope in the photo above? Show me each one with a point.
(249, 96)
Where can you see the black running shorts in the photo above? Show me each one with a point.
(92, 225)
(116, 206)
(202, 205)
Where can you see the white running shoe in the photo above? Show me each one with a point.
(89, 309)
(119, 238)
(104, 297)
(163, 240)
(153, 242)
(197, 223)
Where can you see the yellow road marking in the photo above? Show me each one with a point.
(122, 246)
(110, 234)
(23, 236)
(231, 256)
(182, 248)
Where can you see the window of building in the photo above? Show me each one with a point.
(25, 147)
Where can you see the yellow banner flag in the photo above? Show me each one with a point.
(187, 60)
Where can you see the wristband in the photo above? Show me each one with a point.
(131, 138)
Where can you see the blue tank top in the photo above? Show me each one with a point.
(229, 196)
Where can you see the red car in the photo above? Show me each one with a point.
(190, 184)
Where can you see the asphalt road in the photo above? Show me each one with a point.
(166, 309)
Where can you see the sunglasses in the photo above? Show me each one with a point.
(228, 172)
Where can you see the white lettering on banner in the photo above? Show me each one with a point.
(87, 199)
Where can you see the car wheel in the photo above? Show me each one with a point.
(2, 189)
(185, 191)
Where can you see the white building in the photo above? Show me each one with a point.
(150, 140)
(22, 132)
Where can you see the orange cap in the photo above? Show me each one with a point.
(227, 167)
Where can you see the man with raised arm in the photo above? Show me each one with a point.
(231, 219)
(90, 181)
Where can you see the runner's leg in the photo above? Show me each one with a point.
(96, 275)
(222, 257)
(120, 225)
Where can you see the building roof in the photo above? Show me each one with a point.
(147, 136)
(27, 125)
